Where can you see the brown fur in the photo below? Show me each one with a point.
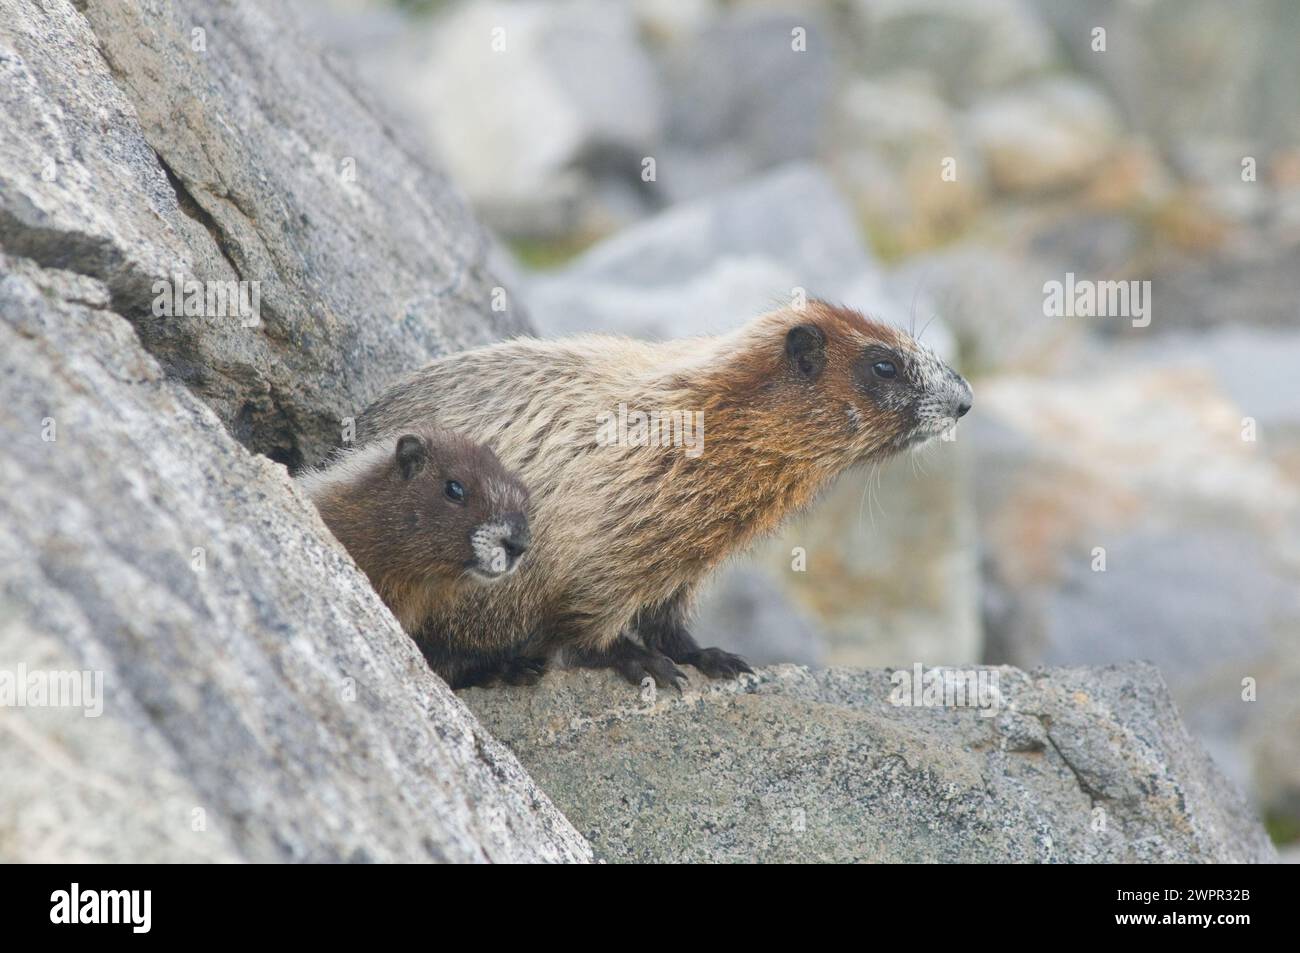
(414, 543)
(623, 534)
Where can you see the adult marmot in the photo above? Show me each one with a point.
(651, 463)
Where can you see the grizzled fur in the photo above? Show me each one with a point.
(426, 515)
(623, 534)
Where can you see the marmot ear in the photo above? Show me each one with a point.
(805, 347)
(412, 454)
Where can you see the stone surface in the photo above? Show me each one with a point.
(138, 140)
(750, 90)
(897, 149)
(883, 569)
(709, 265)
(1085, 765)
(890, 568)
(1139, 460)
(1185, 69)
(971, 46)
(259, 703)
(1044, 137)
(534, 106)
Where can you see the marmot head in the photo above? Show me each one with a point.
(873, 387)
(455, 508)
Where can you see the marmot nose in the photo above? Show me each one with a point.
(517, 540)
(965, 396)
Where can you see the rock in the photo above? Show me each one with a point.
(142, 140)
(1045, 137)
(1253, 366)
(1122, 513)
(707, 266)
(790, 765)
(1185, 70)
(533, 106)
(890, 139)
(752, 87)
(672, 20)
(259, 702)
(1254, 284)
(971, 46)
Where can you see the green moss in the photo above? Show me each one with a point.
(538, 254)
(1283, 828)
(419, 7)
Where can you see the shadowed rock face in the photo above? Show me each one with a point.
(1078, 765)
(139, 140)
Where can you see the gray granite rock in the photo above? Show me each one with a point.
(542, 109)
(1148, 504)
(748, 91)
(709, 265)
(1043, 137)
(1187, 69)
(1077, 765)
(142, 140)
(256, 700)
(970, 46)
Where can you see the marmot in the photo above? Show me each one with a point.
(624, 532)
(425, 516)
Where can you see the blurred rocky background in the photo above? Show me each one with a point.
(668, 167)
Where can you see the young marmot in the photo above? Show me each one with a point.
(625, 529)
(427, 516)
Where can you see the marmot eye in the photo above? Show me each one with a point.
(455, 492)
(884, 369)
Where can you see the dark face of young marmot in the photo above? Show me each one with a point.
(424, 515)
(629, 516)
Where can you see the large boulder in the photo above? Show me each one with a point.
(898, 150)
(1150, 505)
(542, 109)
(1190, 69)
(747, 91)
(707, 266)
(190, 667)
(881, 571)
(1045, 136)
(970, 46)
(139, 141)
(1062, 765)
(250, 696)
